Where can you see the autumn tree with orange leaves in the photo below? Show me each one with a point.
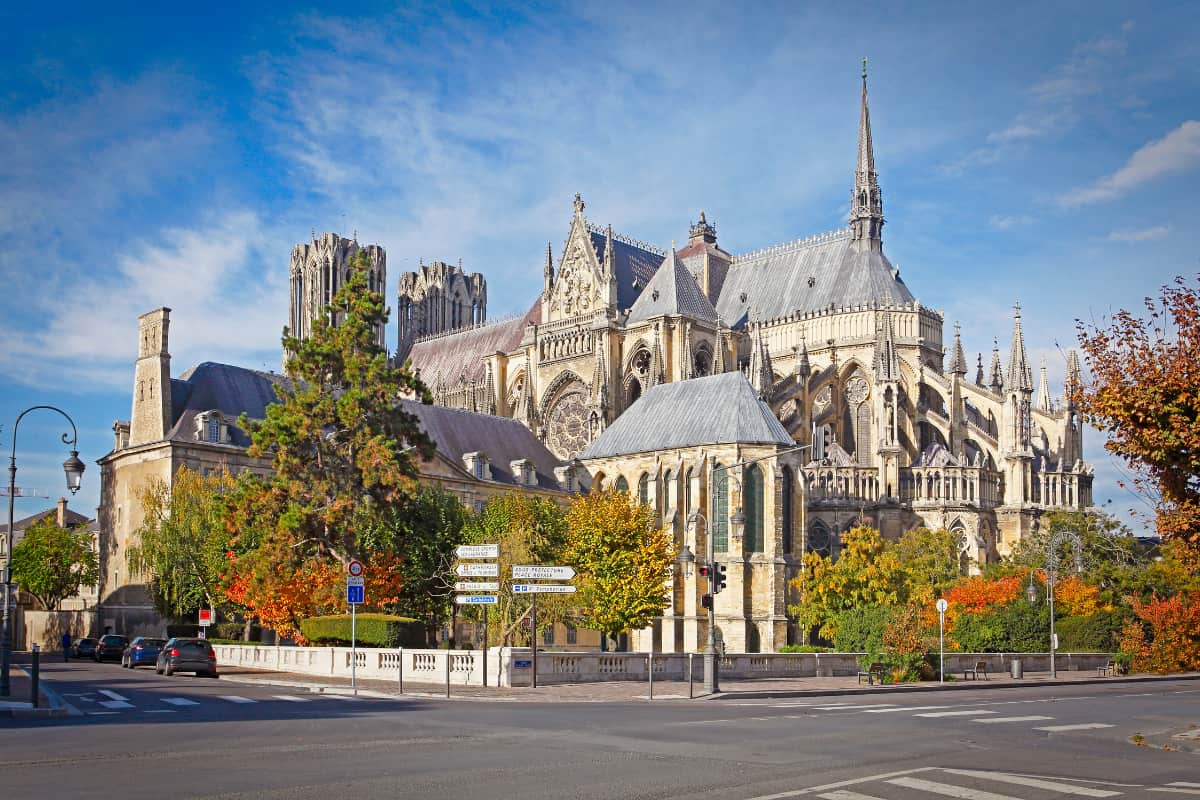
(1144, 393)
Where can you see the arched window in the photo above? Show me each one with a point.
(820, 540)
(622, 485)
(670, 490)
(687, 491)
(720, 521)
(214, 429)
(786, 509)
(644, 488)
(752, 497)
(634, 391)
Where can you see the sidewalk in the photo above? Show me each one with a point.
(629, 691)
(18, 704)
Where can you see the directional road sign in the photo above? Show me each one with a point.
(355, 595)
(477, 586)
(477, 570)
(476, 599)
(352, 580)
(477, 551)
(543, 588)
(544, 573)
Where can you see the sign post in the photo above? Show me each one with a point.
(546, 573)
(942, 605)
(487, 569)
(206, 619)
(355, 594)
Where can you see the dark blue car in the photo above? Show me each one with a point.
(142, 650)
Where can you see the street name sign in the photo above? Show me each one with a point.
(543, 588)
(477, 586)
(477, 551)
(544, 573)
(477, 570)
(353, 580)
(355, 595)
(476, 599)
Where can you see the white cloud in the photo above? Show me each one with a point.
(1177, 152)
(1003, 222)
(1143, 235)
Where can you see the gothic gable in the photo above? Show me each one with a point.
(579, 285)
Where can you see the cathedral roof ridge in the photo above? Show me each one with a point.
(792, 246)
(629, 240)
(507, 318)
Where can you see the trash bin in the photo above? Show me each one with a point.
(1016, 670)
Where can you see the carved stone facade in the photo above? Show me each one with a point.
(438, 298)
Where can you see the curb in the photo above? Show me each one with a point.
(314, 688)
(58, 706)
(770, 694)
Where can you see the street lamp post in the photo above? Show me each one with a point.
(73, 468)
(1057, 538)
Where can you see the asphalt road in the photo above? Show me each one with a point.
(195, 737)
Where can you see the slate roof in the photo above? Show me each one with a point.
(455, 431)
(22, 525)
(717, 409)
(672, 291)
(223, 387)
(775, 282)
(461, 353)
(634, 265)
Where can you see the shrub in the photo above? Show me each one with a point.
(373, 630)
(906, 641)
(1095, 633)
(1015, 628)
(805, 648)
(860, 630)
(1165, 637)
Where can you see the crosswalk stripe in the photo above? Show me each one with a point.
(159, 711)
(233, 698)
(179, 701)
(115, 704)
(947, 790)
(113, 695)
(1185, 783)
(969, 713)
(1037, 783)
(902, 708)
(1034, 718)
(853, 707)
(845, 794)
(345, 697)
(1087, 726)
(1174, 789)
(100, 713)
(290, 698)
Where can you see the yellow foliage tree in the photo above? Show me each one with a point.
(867, 574)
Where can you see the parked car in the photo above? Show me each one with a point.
(84, 648)
(187, 655)
(142, 650)
(111, 647)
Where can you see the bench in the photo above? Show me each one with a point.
(872, 673)
(980, 668)
(1109, 668)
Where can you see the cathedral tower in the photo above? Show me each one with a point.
(151, 415)
(319, 269)
(437, 298)
(866, 201)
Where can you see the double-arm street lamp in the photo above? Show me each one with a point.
(737, 522)
(74, 470)
(1056, 540)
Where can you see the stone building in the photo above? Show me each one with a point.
(437, 298)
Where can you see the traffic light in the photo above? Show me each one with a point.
(706, 601)
(718, 578)
(706, 571)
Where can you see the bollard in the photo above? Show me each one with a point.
(650, 664)
(400, 670)
(691, 672)
(35, 663)
(448, 652)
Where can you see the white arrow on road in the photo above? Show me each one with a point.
(478, 570)
(544, 573)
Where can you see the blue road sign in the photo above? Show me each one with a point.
(355, 595)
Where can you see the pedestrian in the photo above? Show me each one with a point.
(66, 646)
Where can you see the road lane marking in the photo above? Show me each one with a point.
(114, 695)
(1185, 783)
(1087, 726)
(159, 711)
(291, 698)
(854, 707)
(846, 794)
(968, 713)
(947, 790)
(100, 713)
(115, 704)
(233, 698)
(179, 701)
(903, 708)
(1174, 789)
(1037, 783)
(1033, 718)
(343, 697)
(831, 786)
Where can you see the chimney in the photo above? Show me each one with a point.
(62, 512)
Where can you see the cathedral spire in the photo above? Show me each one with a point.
(1043, 388)
(803, 368)
(1020, 377)
(958, 362)
(762, 374)
(979, 370)
(719, 355)
(887, 360)
(656, 362)
(866, 201)
(997, 379)
(548, 270)
(609, 257)
(1074, 379)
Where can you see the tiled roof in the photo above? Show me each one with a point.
(461, 353)
(634, 266)
(807, 276)
(455, 432)
(21, 525)
(718, 409)
(672, 291)
(222, 387)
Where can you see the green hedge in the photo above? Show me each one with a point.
(805, 648)
(860, 630)
(1014, 628)
(222, 630)
(1098, 633)
(373, 630)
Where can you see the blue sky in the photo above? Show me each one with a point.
(1042, 152)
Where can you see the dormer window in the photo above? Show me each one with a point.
(212, 427)
(214, 430)
(477, 464)
(523, 471)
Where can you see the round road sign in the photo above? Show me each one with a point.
(942, 605)
(355, 568)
